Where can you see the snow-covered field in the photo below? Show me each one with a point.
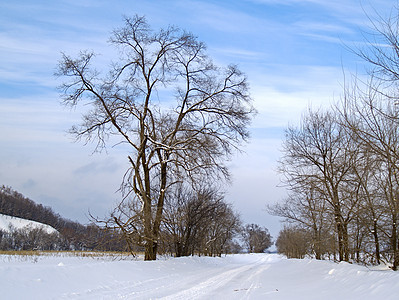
(18, 223)
(246, 276)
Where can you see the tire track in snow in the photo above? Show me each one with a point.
(236, 283)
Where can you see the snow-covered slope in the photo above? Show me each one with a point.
(18, 223)
(245, 276)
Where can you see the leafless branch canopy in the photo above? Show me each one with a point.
(178, 114)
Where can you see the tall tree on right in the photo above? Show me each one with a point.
(320, 154)
(373, 119)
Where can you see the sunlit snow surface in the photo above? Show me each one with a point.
(18, 223)
(247, 276)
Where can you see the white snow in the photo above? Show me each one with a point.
(242, 276)
(18, 223)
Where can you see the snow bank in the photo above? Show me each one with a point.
(263, 276)
(18, 223)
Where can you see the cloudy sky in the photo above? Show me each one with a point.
(293, 51)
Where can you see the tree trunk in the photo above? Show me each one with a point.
(394, 247)
(340, 232)
(148, 236)
(178, 249)
(151, 247)
(345, 241)
(150, 250)
(317, 242)
(376, 242)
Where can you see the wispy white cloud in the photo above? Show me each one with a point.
(324, 37)
(308, 26)
(220, 17)
(34, 35)
(356, 13)
(238, 53)
(281, 97)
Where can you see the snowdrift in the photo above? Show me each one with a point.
(17, 223)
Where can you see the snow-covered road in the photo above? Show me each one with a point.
(252, 276)
(234, 281)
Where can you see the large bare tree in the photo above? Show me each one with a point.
(178, 114)
(373, 119)
(318, 157)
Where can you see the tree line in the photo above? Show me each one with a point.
(195, 223)
(341, 165)
(71, 235)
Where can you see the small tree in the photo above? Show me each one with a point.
(256, 238)
(188, 214)
(293, 242)
(179, 115)
(198, 222)
(306, 207)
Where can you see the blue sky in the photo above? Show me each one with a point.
(293, 51)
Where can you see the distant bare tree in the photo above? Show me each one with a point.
(188, 214)
(293, 242)
(225, 225)
(308, 209)
(178, 115)
(256, 238)
(199, 221)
